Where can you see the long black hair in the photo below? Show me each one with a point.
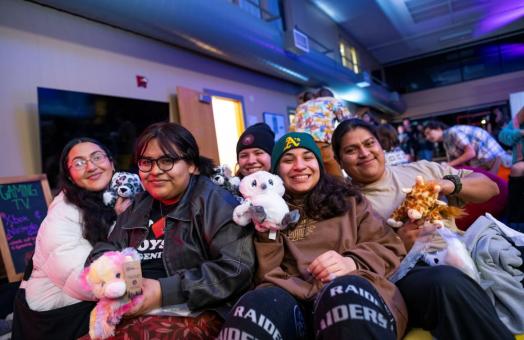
(329, 198)
(96, 217)
(169, 136)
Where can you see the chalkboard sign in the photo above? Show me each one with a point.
(23, 206)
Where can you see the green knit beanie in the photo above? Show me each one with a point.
(294, 140)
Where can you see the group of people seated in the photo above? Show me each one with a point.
(325, 277)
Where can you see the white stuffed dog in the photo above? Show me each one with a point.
(264, 204)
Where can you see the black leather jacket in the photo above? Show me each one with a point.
(209, 259)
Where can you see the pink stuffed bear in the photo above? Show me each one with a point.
(105, 277)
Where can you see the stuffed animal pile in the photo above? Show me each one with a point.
(123, 184)
(105, 277)
(422, 202)
(264, 204)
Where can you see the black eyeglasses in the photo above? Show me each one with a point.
(164, 163)
(97, 158)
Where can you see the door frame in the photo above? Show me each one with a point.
(233, 96)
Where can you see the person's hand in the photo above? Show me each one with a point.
(446, 186)
(265, 226)
(411, 231)
(330, 265)
(152, 298)
(122, 204)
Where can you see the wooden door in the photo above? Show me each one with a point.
(196, 115)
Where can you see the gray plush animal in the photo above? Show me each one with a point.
(123, 184)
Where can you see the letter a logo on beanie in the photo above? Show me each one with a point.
(292, 142)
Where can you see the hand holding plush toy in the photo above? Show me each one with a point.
(264, 204)
(441, 246)
(422, 203)
(123, 184)
(106, 278)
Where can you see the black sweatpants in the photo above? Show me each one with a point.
(347, 308)
(514, 207)
(451, 305)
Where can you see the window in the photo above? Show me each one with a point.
(458, 65)
(349, 57)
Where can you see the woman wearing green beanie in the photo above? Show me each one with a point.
(327, 274)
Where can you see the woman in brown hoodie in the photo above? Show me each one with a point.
(326, 277)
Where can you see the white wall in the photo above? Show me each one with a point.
(453, 98)
(41, 47)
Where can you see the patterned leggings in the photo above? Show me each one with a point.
(203, 327)
(347, 308)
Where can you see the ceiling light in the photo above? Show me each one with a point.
(363, 84)
(366, 80)
(456, 35)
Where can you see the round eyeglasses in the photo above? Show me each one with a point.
(164, 163)
(97, 158)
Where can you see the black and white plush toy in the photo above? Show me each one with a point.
(123, 184)
(264, 204)
(223, 177)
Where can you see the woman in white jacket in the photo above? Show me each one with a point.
(52, 302)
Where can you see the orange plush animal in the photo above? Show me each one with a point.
(422, 202)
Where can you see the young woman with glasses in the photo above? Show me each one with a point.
(195, 260)
(52, 302)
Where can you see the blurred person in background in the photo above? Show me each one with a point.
(388, 138)
(468, 145)
(513, 135)
(424, 148)
(318, 117)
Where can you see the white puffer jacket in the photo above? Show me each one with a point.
(60, 253)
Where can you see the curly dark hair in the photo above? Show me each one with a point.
(97, 217)
(329, 198)
(171, 136)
